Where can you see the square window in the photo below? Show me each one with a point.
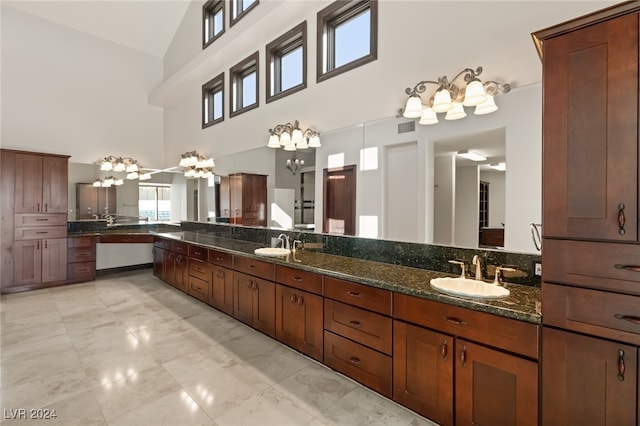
(212, 21)
(243, 79)
(213, 101)
(239, 8)
(347, 37)
(287, 63)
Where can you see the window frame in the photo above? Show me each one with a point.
(212, 7)
(330, 17)
(286, 43)
(209, 89)
(239, 71)
(233, 8)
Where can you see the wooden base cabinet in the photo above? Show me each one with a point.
(254, 302)
(587, 380)
(221, 296)
(40, 261)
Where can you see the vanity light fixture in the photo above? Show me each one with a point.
(470, 155)
(196, 165)
(464, 90)
(119, 164)
(290, 137)
(108, 182)
(294, 164)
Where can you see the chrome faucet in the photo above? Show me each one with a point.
(478, 264)
(285, 241)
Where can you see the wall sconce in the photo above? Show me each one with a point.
(290, 137)
(196, 165)
(294, 164)
(452, 97)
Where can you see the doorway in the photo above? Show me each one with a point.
(339, 206)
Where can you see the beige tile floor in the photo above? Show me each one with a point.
(128, 349)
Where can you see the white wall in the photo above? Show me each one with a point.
(466, 212)
(443, 199)
(66, 92)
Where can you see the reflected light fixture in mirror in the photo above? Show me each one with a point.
(127, 165)
(294, 164)
(470, 155)
(464, 90)
(196, 165)
(290, 137)
(501, 167)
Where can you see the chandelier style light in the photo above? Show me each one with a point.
(290, 137)
(196, 165)
(294, 164)
(127, 165)
(464, 90)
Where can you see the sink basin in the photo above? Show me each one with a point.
(469, 288)
(272, 251)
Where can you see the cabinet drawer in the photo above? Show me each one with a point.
(81, 254)
(199, 269)
(82, 271)
(180, 247)
(39, 233)
(78, 242)
(26, 219)
(199, 289)
(162, 243)
(220, 258)
(372, 298)
(366, 327)
(307, 281)
(369, 367)
(198, 252)
(254, 267)
(508, 334)
(608, 266)
(610, 315)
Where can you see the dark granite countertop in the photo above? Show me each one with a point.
(142, 228)
(522, 304)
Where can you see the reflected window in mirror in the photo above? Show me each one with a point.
(155, 201)
(212, 21)
(287, 63)
(213, 101)
(347, 37)
(244, 85)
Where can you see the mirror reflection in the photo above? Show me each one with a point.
(389, 179)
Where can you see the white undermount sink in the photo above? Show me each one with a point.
(465, 287)
(272, 251)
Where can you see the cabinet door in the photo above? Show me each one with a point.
(221, 296)
(54, 260)
(86, 201)
(495, 388)
(158, 263)
(264, 306)
(590, 134)
(180, 272)
(243, 297)
(54, 184)
(28, 262)
(581, 381)
(299, 320)
(28, 184)
(423, 371)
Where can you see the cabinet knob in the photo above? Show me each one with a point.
(355, 323)
(353, 293)
(463, 356)
(444, 349)
(455, 320)
(354, 360)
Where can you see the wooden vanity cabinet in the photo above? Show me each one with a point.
(81, 258)
(221, 296)
(254, 294)
(590, 218)
(357, 326)
(170, 263)
(458, 366)
(299, 312)
(40, 183)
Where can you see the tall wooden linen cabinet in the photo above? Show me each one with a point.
(591, 246)
(33, 220)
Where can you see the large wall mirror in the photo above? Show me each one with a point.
(389, 178)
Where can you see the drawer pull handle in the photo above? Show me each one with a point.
(355, 323)
(444, 349)
(220, 274)
(42, 232)
(354, 360)
(38, 206)
(42, 219)
(631, 318)
(219, 259)
(353, 293)
(252, 266)
(633, 268)
(300, 300)
(455, 320)
(249, 284)
(46, 207)
(621, 218)
(297, 278)
(621, 366)
(83, 270)
(463, 356)
(293, 298)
